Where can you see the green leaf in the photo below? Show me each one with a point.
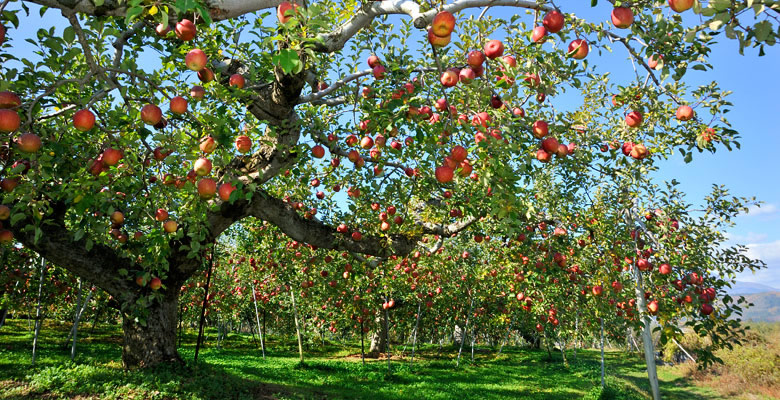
(98, 3)
(288, 60)
(78, 235)
(133, 12)
(69, 35)
(688, 158)
(762, 30)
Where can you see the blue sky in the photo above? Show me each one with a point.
(751, 171)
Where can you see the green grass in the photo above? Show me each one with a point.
(237, 371)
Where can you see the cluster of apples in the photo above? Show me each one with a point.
(457, 159)
(440, 33)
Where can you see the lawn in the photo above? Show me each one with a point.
(238, 371)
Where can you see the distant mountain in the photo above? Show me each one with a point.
(750, 288)
(766, 307)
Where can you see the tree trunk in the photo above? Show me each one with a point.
(38, 316)
(511, 322)
(153, 340)
(647, 338)
(297, 326)
(257, 318)
(463, 339)
(378, 342)
(416, 326)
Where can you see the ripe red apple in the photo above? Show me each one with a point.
(170, 226)
(151, 114)
(366, 142)
(654, 60)
(652, 307)
(553, 21)
(207, 188)
(550, 145)
(449, 78)
(155, 283)
(494, 49)
(286, 10)
(438, 41)
(622, 17)
(634, 119)
(225, 190)
(684, 113)
(178, 105)
(543, 156)
(518, 112)
(161, 215)
(466, 75)
(202, 166)
(111, 156)
(29, 143)
(665, 269)
(597, 290)
(8, 184)
(6, 236)
(539, 34)
(117, 217)
(539, 129)
(510, 61)
(318, 151)
(639, 151)
(208, 144)
(237, 80)
(243, 144)
(443, 23)
(185, 30)
(458, 153)
(475, 58)
(373, 61)
(578, 49)
(680, 5)
(196, 60)
(162, 30)
(444, 174)
(5, 212)
(206, 75)
(706, 309)
(357, 236)
(197, 92)
(9, 120)
(379, 72)
(9, 99)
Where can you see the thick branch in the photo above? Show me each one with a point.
(218, 9)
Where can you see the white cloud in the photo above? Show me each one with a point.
(750, 237)
(767, 252)
(765, 209)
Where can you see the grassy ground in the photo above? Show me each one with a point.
(237, 371)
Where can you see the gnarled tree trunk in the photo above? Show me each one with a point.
(152, 341)
(378, 339)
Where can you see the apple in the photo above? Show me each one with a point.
(466, 75)
(207, 188)
(680, 5)
(5, 212)
(8, 184)
(237, 80)
(617, 286)
(206, 75)
(318, 151)
(379, 72)
(117, 217)
(597, 290)
(367, 93)
(357, 236)
(286, 10)
(208, 144)
(550, 145)
(225, 190)
(642, 263)
(634, 119)
(438, 41)
(196, 60)
(178, 105)
(140, 280)
(495, 101)
(161, 215)
(29, 143)
(202, 166)
(494, 49)
(9, 120)
(243, 144)
(665, 269)
(9, 99)
(518, 112)
(706, 309)
(162, 30)
(510, 61)
(578, 49)
(459, 153)
(639, 151)
(475, 58)
(366, 142)
(684, 113)
(654, 60)
(449, 78)
(539, 129)
(160, 154)
(151, 114)
(197, 92)
(170, 226)
(443, 23)
(444, 174)
(622, 17)
(155, 283)
(539, 34)
(553, 21)
(543, 156)
(6, 236)
(185, 30)
(373, 61)
(111, 156)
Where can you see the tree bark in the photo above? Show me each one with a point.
(153, 340)
(378, 342)
(297, 326)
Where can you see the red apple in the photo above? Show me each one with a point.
(117, 217)
(318, 151)
(652, 307)
(466, 75)
(202, 166)
(543, 156)
(237, 80)
(9, 99)
(578, 49)
(225, 190)
(706, 309)
(634, 119)
(443, 23)
(444, 174)
(151, 114)
(8, 184)
(155, 283)
(539, 129)
(208, 144)
(665, 269)
(5, 212)
(357, 236)
(639, 151)
(449, 78)
(684, 113)
(597, 290)
(196, 60)
(178, 105)
(438, 41)
(197, 92)
(111, 156)
(458, 153)
(379, 72)
(373, 61)
(6, 236)
(285, 11)
(161, 215)
(9, 120)
(475, 58)
(622, 17)
(494, 49)
(654, 60)
(162, 30)
(680, 5)
(206, 75)
(243, 144)
(553, 21)
(185, 30)
(550, 145)
(539, 34)
(29, 143)
(207, 188)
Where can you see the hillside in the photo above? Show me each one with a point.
(744, 288)
(766, 307)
